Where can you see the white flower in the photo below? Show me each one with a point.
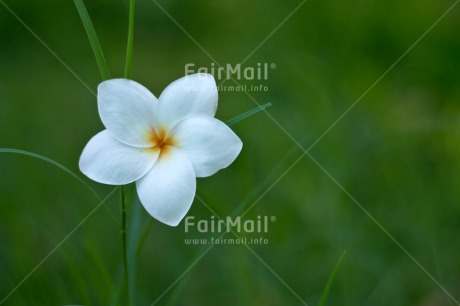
(161, 144)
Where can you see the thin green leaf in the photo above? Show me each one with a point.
(94, 41)
(331, 280)
(55, 163)
(143, 239)
(129, 46)
(247, 114)
(49, 160)
(270, 179)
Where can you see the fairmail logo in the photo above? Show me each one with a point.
(213, 225)
(238, 72)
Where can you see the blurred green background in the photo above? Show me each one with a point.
(397, 152)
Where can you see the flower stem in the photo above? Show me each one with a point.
(124, 242)
(129, 48)
(129, 60)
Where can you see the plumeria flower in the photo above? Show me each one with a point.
(161, 144)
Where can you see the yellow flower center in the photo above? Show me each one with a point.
(160, 141)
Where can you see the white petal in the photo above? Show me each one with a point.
(108, 161)
(209, 143)
(192, 95)
(126, 109)
(167, 191)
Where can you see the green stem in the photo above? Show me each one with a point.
(129, 60)
(129, 48)
(125, 247)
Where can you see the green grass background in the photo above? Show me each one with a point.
(397, 153)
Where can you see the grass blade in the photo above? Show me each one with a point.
(270, 180)
(49, 160)
(331, 280)
(63, 168)
(143, 238)
(94, 41)
(129, 47)
(247, 114)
